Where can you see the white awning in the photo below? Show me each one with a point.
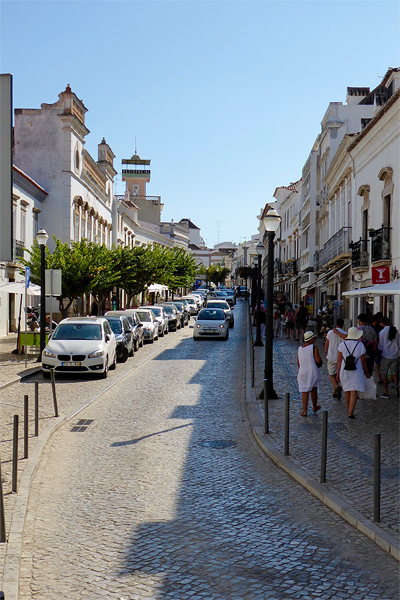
(383, 289)
(157, 287)
(18, 287)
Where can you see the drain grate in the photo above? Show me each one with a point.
(82, 425)
(218, 444)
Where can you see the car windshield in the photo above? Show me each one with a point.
(144, 316)
(77, 331)
(156, 311)
(221, 294)
(169, 310)
(220, 304)
(116, 326)
(211, 315)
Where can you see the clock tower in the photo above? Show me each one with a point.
(136, 173)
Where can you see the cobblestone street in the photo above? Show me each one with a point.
(163, 493)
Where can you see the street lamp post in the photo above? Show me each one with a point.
(41, 239)
(259, 250)
(271, 223)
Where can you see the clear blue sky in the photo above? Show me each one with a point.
(225, 98)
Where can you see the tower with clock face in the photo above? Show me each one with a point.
(136, 173)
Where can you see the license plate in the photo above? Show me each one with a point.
(211, 331)
(71, 364)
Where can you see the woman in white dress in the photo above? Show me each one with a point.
(308, 360)
(352, 381)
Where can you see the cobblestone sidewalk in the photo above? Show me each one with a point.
(350, 442)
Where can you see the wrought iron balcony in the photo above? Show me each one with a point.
(18, 250)
(337, 245)
(359, 253)
(380, 244)
(291, 267)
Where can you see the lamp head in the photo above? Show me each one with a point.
(42, 237)
(272, 220)
(260, 248)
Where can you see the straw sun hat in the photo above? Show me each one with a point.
(354, 333)
(309, 335)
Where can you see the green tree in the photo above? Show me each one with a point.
(74, 262)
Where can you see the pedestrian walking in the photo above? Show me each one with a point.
(376, 324)
(276, 320)
(369, 339)
(289, 320)
(389, 344)
(352, 368)
(308, 362)
(333, 339)
(300, 321)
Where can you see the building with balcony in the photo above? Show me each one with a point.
(375, 156)
(288, 254)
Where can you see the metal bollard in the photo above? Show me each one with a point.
(15, 455)
(53, 387)
(324, 445)
(26, 426)
(36, 408)
(377, 477)
(266, 413)
(2, 519)
(287, 406)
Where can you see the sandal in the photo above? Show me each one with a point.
(303, 414)
(317, 408)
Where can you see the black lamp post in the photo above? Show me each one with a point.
(41, 239)
(259, 250)
(271, 223)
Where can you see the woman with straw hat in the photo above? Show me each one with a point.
(353, 380)
(308, 362)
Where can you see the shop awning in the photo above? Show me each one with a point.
(383, 289)
(157, 287)
(18, 287)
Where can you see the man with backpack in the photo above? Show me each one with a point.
(332, 342)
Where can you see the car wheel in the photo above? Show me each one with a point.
(114, 365)
(231, 325)
(125, 355)
(162, 333)
(226, 337)
(132, 352)
(105, 372)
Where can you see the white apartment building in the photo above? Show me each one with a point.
(28, 199)
(50, 146)
(288, 240)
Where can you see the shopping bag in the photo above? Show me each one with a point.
(370, 390)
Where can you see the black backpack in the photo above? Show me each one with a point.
(350, 360)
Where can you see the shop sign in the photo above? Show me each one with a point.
(380, 275)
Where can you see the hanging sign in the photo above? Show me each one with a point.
(380, 275)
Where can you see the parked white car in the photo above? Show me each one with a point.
(80, 345)
(161, 317)
(211, 322)
(150, 324)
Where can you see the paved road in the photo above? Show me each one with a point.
(140, 504)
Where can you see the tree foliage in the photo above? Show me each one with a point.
(88, 267)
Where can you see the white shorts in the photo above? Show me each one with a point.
(332, 370)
